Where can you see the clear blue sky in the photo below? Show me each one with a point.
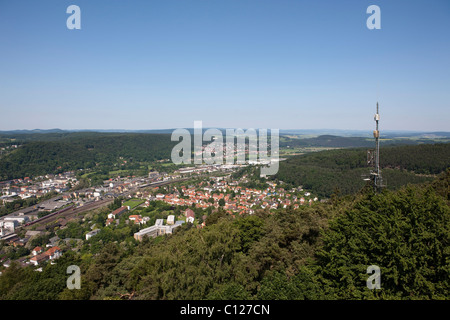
(230, 63)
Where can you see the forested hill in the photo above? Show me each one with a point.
(331, 141)
(58, 153)
(327, 171)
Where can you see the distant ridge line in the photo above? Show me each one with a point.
(337, 132)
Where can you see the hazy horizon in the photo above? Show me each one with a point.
(319, 130)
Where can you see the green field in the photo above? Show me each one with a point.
(119, 173)
(133, 203)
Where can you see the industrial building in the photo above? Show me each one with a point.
(157, 229)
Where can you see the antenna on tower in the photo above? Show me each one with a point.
(373, 157)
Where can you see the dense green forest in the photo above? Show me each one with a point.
(63, 152)
(317, 252)
(328, 171)
(331, 141)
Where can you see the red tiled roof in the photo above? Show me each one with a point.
(52, 250)
(120, 210)
(39, 257)
(189, 213)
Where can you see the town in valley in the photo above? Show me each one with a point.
(187, 196)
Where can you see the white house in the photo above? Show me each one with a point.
(36, 251)
(171, 219)
(190, 216)
(54, 253)
(137, 218)
(92, 233)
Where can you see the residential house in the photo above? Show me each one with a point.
(36, 251)
(190, 216)
(92, 233)
(188, 211)
(136, 218)
(36, 260)
(54, 253)
(109, 221)
(50, 254)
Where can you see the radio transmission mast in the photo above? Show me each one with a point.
(376, 173)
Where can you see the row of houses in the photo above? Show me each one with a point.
(26, 188)
(244, 199)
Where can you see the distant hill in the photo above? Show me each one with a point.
(331, 141)
(366, 133)
(14, 132)
(327, 141)
(326, 171)
(308, 132)
(59, 152)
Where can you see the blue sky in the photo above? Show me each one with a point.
(231, 63)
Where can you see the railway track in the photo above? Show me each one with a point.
(72, 210)
(67, 212)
